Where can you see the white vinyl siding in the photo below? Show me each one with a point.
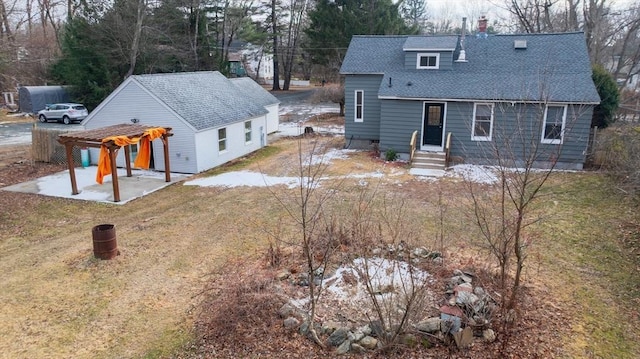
(359, 106)
(428, 61)
(554, 122)
(482, 127)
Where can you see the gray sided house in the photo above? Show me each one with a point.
(214, 119)
(524, 96)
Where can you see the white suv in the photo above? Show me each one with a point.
(65, 112)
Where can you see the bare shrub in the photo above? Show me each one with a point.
(617, 150)
(330, 93)
(399, 292)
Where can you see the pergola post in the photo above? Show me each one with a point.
(167, 170)
(72, 172)
(113, 152)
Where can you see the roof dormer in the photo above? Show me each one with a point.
(429, 52)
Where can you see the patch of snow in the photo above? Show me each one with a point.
(244, 178)
(348, 283)
(473, 173)
(20, 139)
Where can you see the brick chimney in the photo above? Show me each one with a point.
(482, 27)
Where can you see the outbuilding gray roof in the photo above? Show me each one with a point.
(204, 99)
(553, 67)
(254, 91)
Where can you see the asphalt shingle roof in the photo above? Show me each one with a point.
(254, 91)
(417, 43)
(204, 99)
(554, 67)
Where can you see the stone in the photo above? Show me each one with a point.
(430, 325)
(450, 323)
(438, 260)
(465, 297)
(451, 310)
(329, 327)
(291, 323)
(356, 336)
(368, 342)
(338, 336)
(420, 252)
(463, 338)
(283, 275)
(465, 278)
(287, 310)
(344, 347)
(489, 335)
(357, 348)
(304, 328)
(467, 287)
(479, 292)
(457, 272)
(365, 329)
(455, 280)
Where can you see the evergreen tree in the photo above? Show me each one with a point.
(603, 114)
(333, 23)
(83, 65)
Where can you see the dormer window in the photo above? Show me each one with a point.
(428, 61)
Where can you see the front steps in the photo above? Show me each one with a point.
(429, 160)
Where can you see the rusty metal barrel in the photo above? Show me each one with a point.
(105, 245)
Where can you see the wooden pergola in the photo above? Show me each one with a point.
(94, 138)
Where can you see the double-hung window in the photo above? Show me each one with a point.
(428, 61)
(247, 132)
(222, 139)
(554, 122)
(359, 106)
(482, 122)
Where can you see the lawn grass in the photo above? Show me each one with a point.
(58, 301)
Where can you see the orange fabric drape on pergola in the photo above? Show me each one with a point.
(144, 152)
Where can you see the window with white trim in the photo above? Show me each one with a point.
(554, 122)
(428, 61)
(482, 122)
(247, 132)
(359, 106)
(222, 139)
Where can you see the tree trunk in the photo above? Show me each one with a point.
(135, 45)
(274, 28)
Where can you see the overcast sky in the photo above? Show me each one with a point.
(473, 9)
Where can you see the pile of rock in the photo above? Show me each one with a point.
(466, 314)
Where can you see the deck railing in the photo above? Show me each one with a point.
(412, 146)
(447, 149)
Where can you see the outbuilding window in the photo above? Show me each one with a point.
(247, 132)
(222, 139)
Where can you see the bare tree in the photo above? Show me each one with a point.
(297, 10)
(317, 229)
(523, 163)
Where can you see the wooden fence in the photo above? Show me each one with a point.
(45, 146)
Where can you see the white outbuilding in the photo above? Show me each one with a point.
(213, 119)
